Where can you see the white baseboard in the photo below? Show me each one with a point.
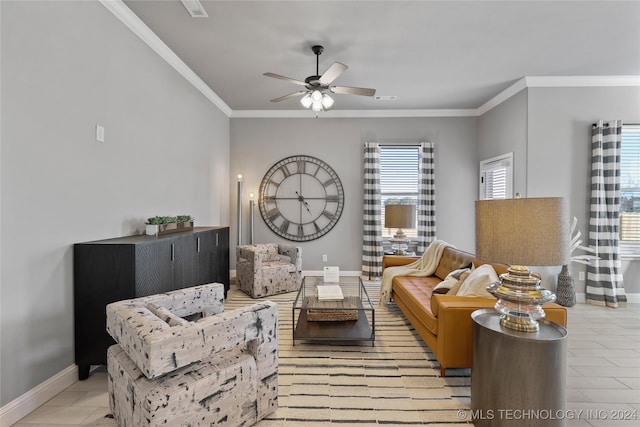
(321, 273)
(633, 298)
(22, 406)
(313, 273)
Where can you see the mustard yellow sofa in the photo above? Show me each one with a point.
(444, 321)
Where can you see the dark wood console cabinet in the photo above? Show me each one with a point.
(106, 271)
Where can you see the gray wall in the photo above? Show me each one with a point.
(256, 144)
(557, 146)
(66, 67)
(503, 130)
(559, 149)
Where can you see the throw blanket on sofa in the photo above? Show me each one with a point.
(424, 266)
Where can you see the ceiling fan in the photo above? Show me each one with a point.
(314, 95)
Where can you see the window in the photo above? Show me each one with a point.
(630, 187)
(496, 177)
(399, 166)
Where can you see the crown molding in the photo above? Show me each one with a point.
(131, 20)
(557, 81)
(582, 81)
(308, 114)
(502, 96)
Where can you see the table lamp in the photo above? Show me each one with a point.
(519, 232)
(399, 216)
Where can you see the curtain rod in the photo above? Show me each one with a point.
(607, 124)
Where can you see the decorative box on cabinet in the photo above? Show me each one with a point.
(105, 271)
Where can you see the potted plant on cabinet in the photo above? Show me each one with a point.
(159, 225)
(185, 222)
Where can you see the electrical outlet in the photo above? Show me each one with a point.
(324, 258)
(581, 275)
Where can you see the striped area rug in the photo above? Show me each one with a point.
(396, 382)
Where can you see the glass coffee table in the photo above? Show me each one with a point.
(351, 318)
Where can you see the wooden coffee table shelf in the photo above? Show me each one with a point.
(356, 299)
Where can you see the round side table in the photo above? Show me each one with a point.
(518, 378)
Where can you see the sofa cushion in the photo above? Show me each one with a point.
(452, 259)
(475, 285)
(456, 286)
(499, 268)
(279, 266)
(416, 294)
(449, 281)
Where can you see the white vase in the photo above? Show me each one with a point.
(152, 229)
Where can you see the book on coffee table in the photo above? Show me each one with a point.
(330, 293)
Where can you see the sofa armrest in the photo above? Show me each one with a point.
(247, 253)
(395, 260)
(441, 302)
(455, 329)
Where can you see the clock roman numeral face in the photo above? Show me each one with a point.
(301, 198)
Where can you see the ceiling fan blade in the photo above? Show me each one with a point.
(353, 90)
(291, 95)
(332, 73)
(289, 79)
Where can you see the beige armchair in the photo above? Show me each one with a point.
(268, 269)
(181, 360)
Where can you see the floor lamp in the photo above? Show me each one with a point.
(239, 209)
(252, 204)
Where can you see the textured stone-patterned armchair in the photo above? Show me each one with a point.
(180, 360)
(268, 269)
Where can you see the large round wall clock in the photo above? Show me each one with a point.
(301, 198)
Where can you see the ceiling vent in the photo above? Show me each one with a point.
(195, 8)
(385, 97)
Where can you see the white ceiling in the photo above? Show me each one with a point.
(430, 54)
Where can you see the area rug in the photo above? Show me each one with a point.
(396, 382)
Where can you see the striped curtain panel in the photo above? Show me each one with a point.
(604, 280)
(372, 216)
(426, 197)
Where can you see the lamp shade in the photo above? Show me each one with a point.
(531, 231)
(400, 216)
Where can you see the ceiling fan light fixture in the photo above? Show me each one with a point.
(306, 101)
(316, 96)
(317, 106)
(327, 101)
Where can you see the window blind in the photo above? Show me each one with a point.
(399, 178)
(496, 177)
(630, 186)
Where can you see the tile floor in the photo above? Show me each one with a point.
(603, 383)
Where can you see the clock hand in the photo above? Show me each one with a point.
(304, 202)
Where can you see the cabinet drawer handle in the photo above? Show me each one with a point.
(217, 239)
(173, 252)
(198, 245)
